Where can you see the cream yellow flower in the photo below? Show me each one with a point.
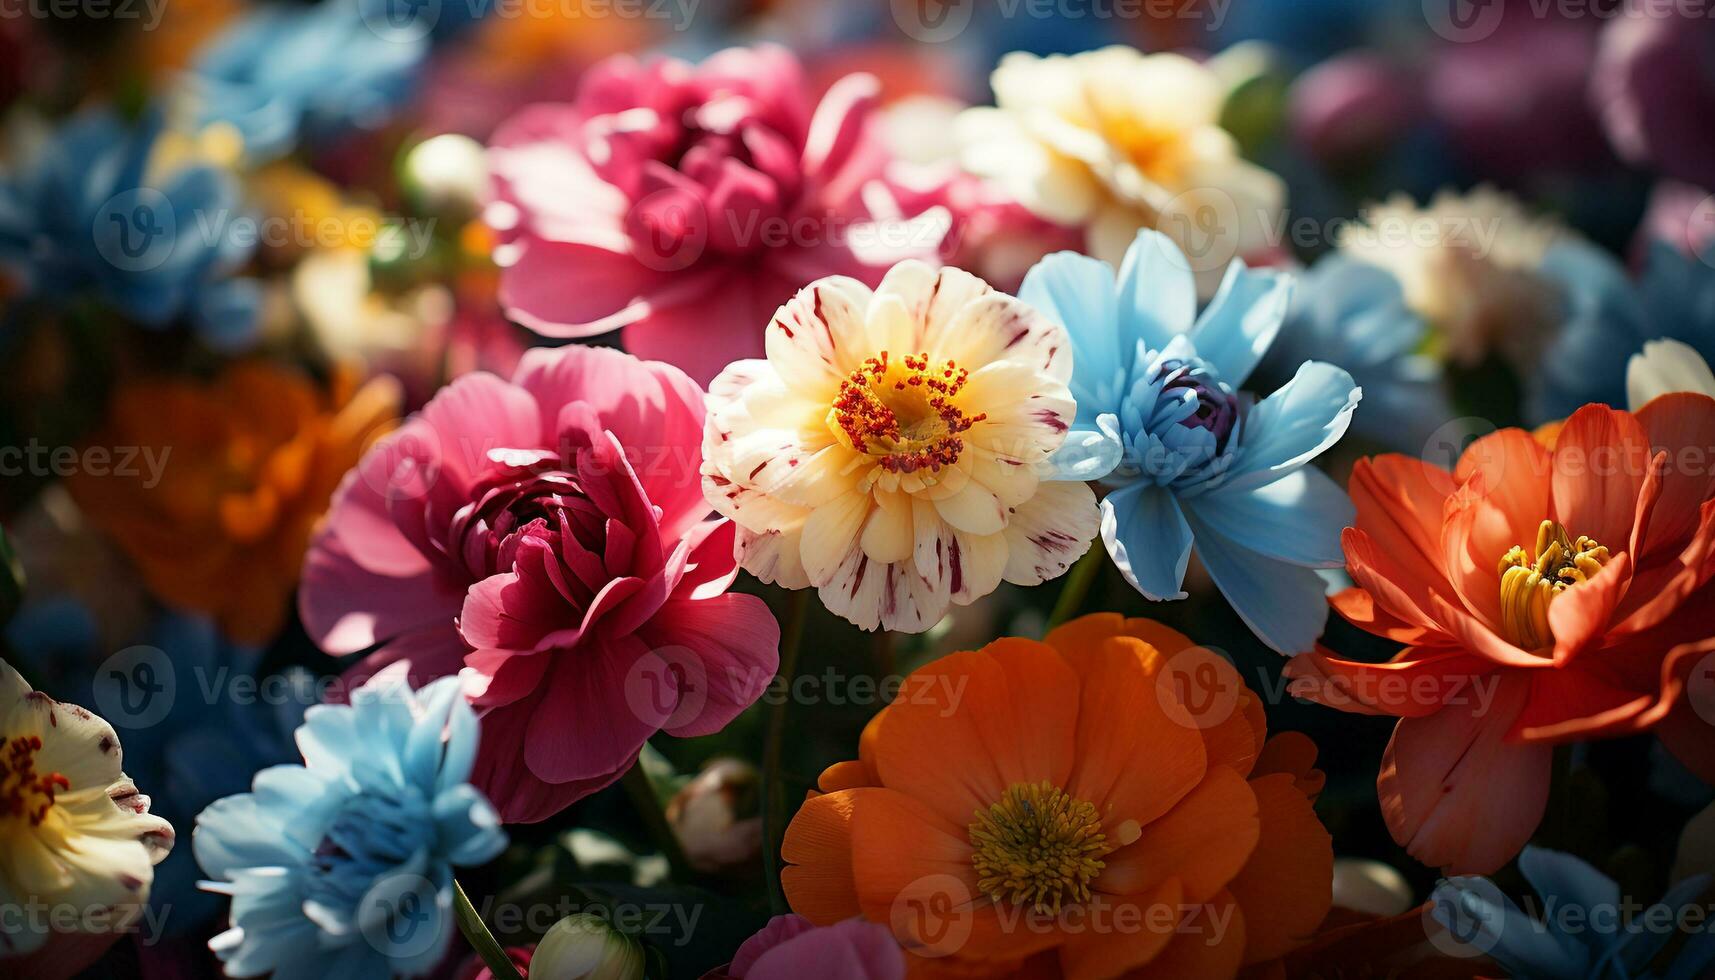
(892, 450)
(1468, 264)
(1115, 141)
(77, 842)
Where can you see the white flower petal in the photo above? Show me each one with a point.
(1048, 534)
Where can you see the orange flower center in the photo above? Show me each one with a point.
(25, 794)
(904, 414)
(1038, 846)
(1532, 580)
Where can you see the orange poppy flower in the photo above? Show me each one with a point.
(212, 490)
(1552, 588)
(1102, 803)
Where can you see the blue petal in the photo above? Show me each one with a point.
(1148, 539)
(1157, 293)
(1242, 321)
(1078, 292)
(1090, 452)
(1296, 519)
(1566, 880)
(1295, 424)
(1282, 604)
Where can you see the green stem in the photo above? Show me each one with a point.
(480, 939)
(773, 792)
(648, 806)
(1077, 587)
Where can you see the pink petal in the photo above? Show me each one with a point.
(519, 794)
(728, 649)
(851, 950)
(654, 409)
(1442, 780)
(561, 289)
(596, 710)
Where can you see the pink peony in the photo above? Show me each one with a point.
(549, 535)
(790, 946)
(685, 203)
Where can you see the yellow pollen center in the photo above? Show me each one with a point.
(1038, 846)
(903, 413)
(24, 793)
(1532, 580)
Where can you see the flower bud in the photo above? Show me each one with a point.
(586, 947)
(715, 816)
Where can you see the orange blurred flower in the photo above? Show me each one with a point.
(212, 489)
(1554, 587)
(1102, 803)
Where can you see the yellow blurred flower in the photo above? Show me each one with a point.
(213, 489)
(1114, 141)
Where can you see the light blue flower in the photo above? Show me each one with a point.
(284, 73)
(1353, 314)
(1608, 317)
(343, 867)
(1585, 932)
(83, 217)
(1185, 456)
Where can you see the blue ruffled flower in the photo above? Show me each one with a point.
(284, 74)
(1186, 457)
(1354, 315)
(1585, 935)
(84, 216)
(1608, 317)
(343, 867)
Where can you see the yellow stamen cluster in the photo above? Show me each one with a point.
(1532, 580)
(1038, 846)
(903, 413)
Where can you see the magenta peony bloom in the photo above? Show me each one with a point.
(549, 534)
(1654, 84)
(685, 203)
(790, 946)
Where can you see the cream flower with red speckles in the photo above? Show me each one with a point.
(76, 837)
(893, 449)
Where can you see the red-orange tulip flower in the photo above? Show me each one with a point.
(1545, 593)
(1101, 804)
